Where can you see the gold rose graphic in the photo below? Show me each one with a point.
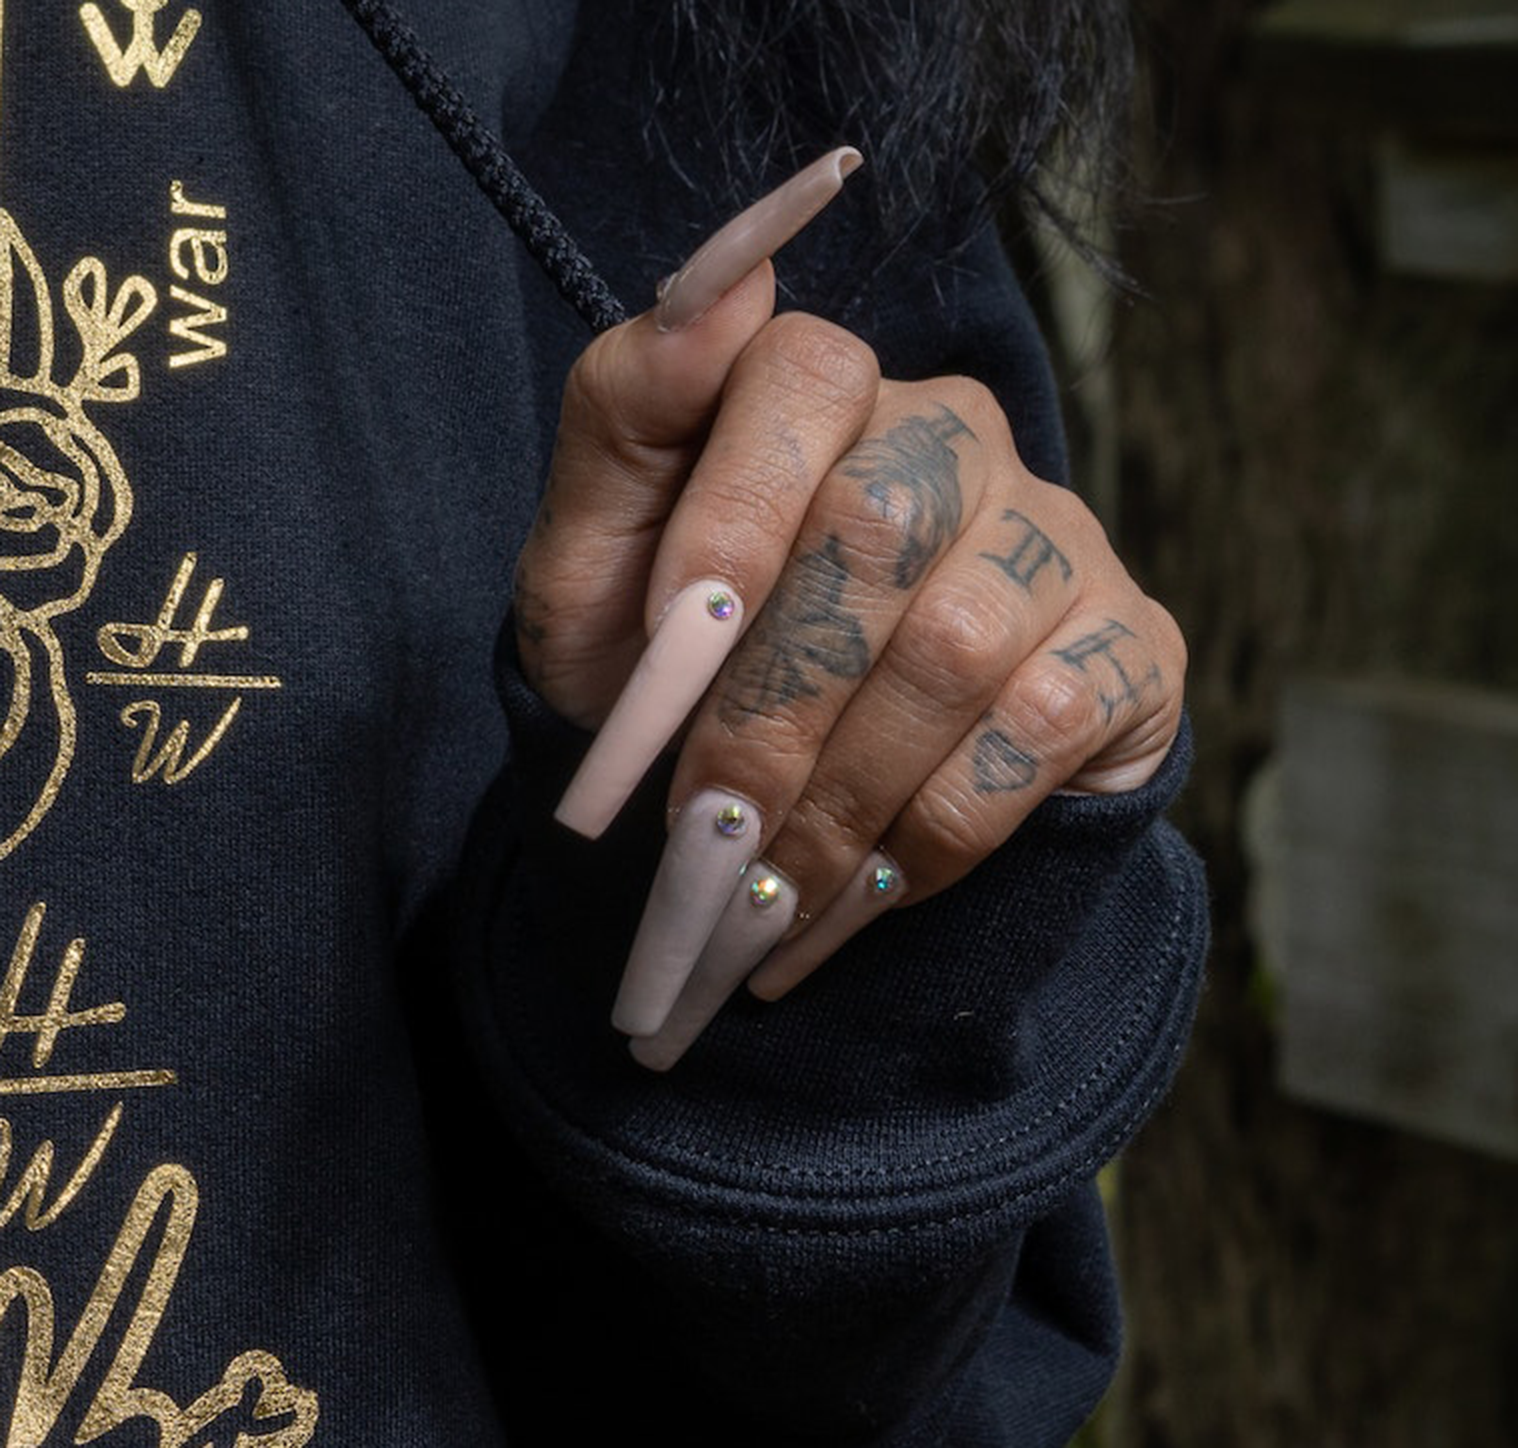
(64, 499)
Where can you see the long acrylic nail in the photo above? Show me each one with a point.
(708, 849)
(758, 914)
(725, 258)
(874, 890)
(695, 635)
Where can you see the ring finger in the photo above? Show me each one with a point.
(877, 523)
(1095, 680)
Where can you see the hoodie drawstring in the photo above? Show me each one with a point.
(486, 159)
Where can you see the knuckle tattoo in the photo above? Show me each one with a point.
(998, 766)
(804, 634)
(910, 474)
(1030, 552)
(1118, 665)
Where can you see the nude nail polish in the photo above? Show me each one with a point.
(874, 890)
(696, 634)
(758, 913)
(730, 254)
(707, 852)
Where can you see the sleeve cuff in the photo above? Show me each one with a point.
(955, 1072)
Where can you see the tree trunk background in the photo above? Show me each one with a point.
(1318, 466)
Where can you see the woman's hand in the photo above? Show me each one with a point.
(900, 639)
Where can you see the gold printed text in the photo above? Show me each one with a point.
(137, 645)
(142, 52)
(30, 1188)
(169, 759)
(197, 254)
(47, 1385)
(137, 648)
(58, 1016)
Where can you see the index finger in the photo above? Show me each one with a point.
(641, 395)
(637, 407)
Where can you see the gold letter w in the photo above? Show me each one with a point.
(141, 53)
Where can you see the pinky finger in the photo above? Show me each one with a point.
(968, 806)
(1093, 711)
(876, 887)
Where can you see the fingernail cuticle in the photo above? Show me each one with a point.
(877, 887)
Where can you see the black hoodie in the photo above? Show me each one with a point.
(313, 1128)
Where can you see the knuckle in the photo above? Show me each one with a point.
(832, 818)
(949, 829)
(970, 400)
(826, 361)
(1067, 512)
(975, 402)
(585, 378)
(950, 647)
(593, 377)
(598, 413)
(1169, 641)
(1059, 713)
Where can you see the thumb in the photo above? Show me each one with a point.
(636, 411)
(639, 400)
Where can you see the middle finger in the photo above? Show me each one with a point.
(825, 647)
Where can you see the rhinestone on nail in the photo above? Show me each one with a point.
(883, 880)
(731, 820)
(764, 892)
(720, 605)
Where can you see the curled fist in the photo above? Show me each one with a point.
(888, 641)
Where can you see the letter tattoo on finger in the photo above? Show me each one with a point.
(911, 473)
(1096, 654)
(1033, 552)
